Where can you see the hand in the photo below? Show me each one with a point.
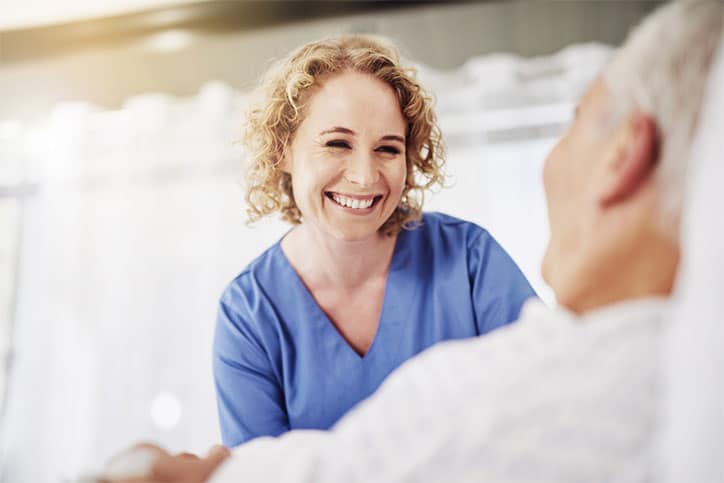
(181, 468)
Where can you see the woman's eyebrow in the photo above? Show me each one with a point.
(393, 137)
(338, 129)
(345, 130)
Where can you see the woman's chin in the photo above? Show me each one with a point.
(353, 232)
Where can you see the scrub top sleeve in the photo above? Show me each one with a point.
(498, 286)
(249, 398)
(419, 417)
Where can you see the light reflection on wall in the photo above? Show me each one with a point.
(169, 40)
(166, 411)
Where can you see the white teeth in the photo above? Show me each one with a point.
(352, 203)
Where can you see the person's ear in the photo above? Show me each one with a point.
(633, 161)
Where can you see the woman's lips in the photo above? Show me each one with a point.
(357, 202)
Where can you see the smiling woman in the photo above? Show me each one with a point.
(343, 142)
(337, 171)
(288, 94)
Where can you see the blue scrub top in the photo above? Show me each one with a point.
(280, 364)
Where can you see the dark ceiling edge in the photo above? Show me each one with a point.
(215, 16)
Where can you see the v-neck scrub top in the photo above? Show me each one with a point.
(280, 364)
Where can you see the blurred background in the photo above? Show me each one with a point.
(121, 205)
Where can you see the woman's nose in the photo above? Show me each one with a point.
(361, 170)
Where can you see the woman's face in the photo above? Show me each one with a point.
(347, 159)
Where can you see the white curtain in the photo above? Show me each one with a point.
(138, 224)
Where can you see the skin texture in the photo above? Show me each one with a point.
(606, 245)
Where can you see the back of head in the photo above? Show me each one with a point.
(662, 70)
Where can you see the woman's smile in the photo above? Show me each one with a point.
(354, 204)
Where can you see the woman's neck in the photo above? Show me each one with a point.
(322, 259)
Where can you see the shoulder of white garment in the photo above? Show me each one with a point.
(540, 332)
(630, 311)
(453, 385)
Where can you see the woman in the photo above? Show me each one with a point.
(342, 143)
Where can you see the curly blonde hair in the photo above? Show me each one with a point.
(272, 122)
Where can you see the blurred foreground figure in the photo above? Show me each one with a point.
(692, 408)
(563, 395)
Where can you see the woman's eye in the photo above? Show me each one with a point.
(338, 144)
(389, 149)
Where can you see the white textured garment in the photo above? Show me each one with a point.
(552, 398)
(693, 404)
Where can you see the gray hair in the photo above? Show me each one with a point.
(663, 69)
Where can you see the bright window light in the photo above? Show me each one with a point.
(166, 411)
(169, 40)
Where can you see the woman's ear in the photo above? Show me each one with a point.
(633, 161)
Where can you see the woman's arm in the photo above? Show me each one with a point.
(250, 397)
(498, 286)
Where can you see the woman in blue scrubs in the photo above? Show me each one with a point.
(343, 142)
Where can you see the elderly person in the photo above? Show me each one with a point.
(342, 142)
(569, 394)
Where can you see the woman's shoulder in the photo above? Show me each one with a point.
(442, 237)
(256, 276)
(249, 303)
(435, 224)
